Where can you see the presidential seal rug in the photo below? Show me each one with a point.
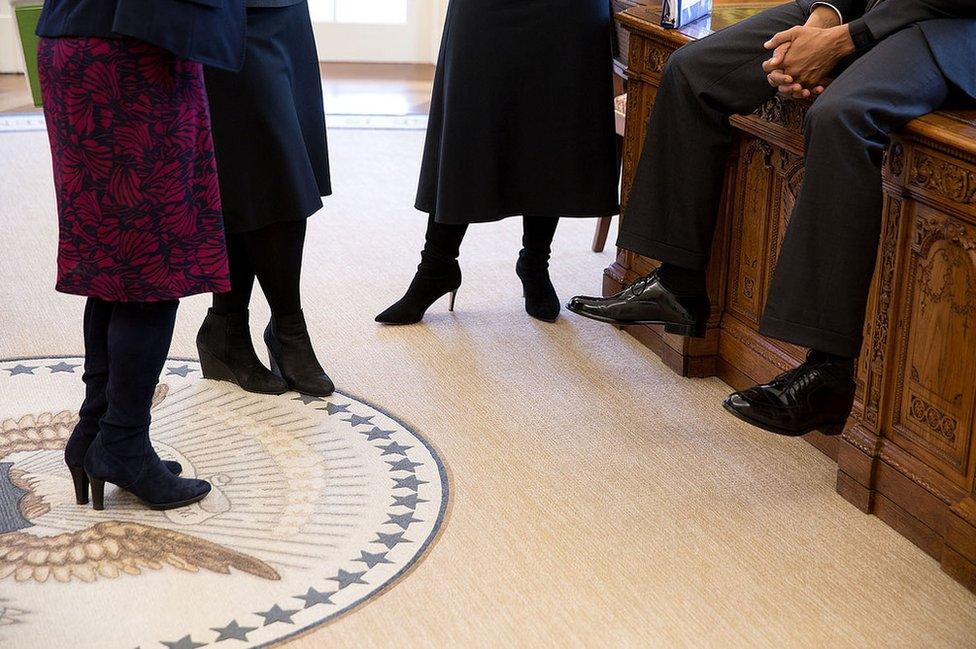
(317, 506)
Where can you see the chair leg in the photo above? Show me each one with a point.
(602, 230)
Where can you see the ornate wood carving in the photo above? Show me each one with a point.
(945, 178)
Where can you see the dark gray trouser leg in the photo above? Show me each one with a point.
(676, 191)
(819, 290)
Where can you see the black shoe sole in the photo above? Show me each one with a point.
(691, 331)
(214, 369)
(829, 429)
(98, 497)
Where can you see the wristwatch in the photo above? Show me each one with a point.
(861, 36)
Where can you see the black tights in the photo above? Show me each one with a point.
(273, 255)
(443, 240)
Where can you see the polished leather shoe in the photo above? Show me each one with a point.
(817, 395)
(647, 301)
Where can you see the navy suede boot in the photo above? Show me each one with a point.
(97, 316)
(139, 335)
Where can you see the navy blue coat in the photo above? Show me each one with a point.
(206, 31)
(949, 27)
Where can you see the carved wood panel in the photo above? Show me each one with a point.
(934, 394)
(752, 212)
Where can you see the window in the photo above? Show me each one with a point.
(375, 12)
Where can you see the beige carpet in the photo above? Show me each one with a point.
(597, 499)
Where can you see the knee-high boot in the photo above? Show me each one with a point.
(139, 336)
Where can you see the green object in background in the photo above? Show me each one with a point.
(27, 17)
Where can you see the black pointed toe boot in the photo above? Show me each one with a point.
(432, 282)
(541, 300)
(227, 354)
(293, 357)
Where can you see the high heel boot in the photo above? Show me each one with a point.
(95, 378)
(428, 285)
(541, 300)
(437, 275)
(293, 357)
(227, 354)
(139, 336)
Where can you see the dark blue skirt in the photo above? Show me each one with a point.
(521, 118)
(269, 124)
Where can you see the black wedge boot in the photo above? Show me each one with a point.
(541, 301)
(293, 357)
(227, 354)
(93, 408)
(138, 338)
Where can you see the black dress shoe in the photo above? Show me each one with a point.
(648, 301)
(293, 358)
(817, 395)
(227, 354)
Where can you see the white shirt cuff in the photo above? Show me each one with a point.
(840, 16)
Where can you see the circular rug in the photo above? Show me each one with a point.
(317, 506)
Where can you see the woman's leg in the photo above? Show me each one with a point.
(98, 314)
(139, 336)
(224, 340)
(275, 252)
(238, 299)
(541, 300)
(437, 274)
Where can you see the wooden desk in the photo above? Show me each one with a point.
(909, 452)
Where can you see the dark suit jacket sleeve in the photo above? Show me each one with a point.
(892, 15)
(849, 9)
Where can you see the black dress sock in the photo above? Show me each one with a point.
(817, 356)
(537, 234)
(238, 298)
(275, 253)
(684, 281)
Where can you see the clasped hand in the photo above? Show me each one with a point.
(803, 56)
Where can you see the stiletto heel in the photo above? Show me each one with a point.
(97, 493)
(80, 480)
(450, 307)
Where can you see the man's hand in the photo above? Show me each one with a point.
(821, 18)
(812, 53)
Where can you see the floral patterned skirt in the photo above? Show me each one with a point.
(134, 171)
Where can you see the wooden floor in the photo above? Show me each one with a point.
(349, 89)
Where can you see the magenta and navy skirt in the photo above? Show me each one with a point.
(134, 171)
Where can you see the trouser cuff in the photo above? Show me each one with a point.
(662, 252)
(811, 337)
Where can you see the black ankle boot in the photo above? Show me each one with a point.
(432, 282)
(293, 358)
(541, 301)
(227, 354)
(137, 344)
